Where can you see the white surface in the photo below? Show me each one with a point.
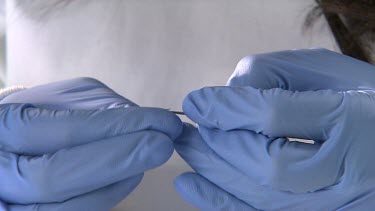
(2, 43)
(152, 51)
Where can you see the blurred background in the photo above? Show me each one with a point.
(155, 52)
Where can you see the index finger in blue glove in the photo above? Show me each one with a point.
(98, 200)
(77, 93)
(70, 172)
(274, 112)
(26, 129)
(303, 70)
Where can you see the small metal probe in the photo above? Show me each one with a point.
(178, 112)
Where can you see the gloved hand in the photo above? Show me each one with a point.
(77, 145)
(241, 154)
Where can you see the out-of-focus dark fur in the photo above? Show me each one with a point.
(352, 23)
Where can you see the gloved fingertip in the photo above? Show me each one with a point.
(133, 182)
(194, 104)
(159, 150)
(177, 126)
(162, 120)
(206, 105)
(188, 133)
(184, 184)
(183, 179)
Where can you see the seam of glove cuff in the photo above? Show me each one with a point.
(10, 90)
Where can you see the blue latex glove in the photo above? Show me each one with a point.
(241, 155)
(77, 145)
